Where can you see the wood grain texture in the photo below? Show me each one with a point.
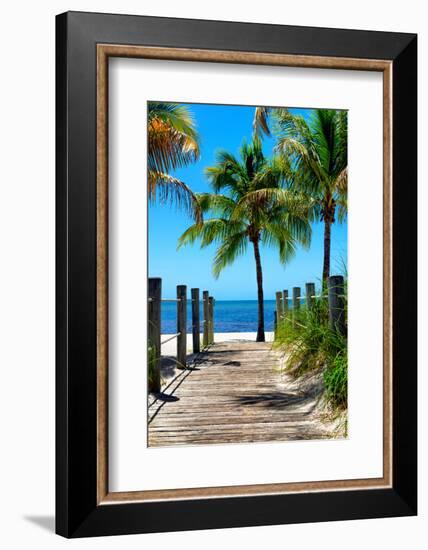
(104, 51)
(235, 394)
(102, 275)
(256, 58)
(387, 274)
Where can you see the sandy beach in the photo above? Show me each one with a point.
(170, 347)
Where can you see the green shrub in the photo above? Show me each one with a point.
(336, 381)
(309, 343)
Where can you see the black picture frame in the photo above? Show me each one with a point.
(77, 511)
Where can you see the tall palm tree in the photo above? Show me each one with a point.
(254, 209)
(173, 142)
(317, 150)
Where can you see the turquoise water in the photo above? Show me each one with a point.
(229, 316)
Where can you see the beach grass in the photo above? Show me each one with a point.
(309, 344)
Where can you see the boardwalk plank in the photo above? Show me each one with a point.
(234, 394)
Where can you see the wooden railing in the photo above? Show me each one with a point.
(155, 301)
(335, 297)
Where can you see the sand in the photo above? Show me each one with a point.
(170, 348)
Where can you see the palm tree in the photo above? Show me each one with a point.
(318, 153)
(172, 142)
(254, 209)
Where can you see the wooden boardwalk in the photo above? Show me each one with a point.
(234, 394)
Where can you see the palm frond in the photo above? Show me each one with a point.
(295, 126)
(342, 208)
(210, 231)
(172, 190)
(227, 173)
(172, 142)
(177, 116)
(233, 246)
(276, 172)
(341, 182)
(169, 149)
(216, 203)
(262, 115)
(278, 235)
(260, 122)
(284, 205)
(323, 132)
(235, 175)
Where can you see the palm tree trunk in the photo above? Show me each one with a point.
(261, 313)
(327, 244)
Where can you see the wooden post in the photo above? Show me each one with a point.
(296, 301)
(285, 302)
(296, 297)
(181, 326)
(206, 318)
(154, 333)
(279, 309)
(195, 321)
(211, 318)
(275, 322)
(336, 303)
(310, 293)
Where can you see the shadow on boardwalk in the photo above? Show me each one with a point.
(235, 393)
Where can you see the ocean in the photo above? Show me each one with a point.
(229, 316)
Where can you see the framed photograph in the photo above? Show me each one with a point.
(236, 274)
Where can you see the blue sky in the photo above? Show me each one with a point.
(225, 127)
